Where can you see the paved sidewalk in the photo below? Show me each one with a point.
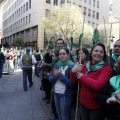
(16, 104)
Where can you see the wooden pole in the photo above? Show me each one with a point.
(76, 114)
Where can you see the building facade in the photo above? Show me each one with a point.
(23, 18)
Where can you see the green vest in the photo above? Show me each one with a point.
(27, 60)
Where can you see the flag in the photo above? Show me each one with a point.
(51, 43)
(95, 38)
(72, 44)
(80, 39)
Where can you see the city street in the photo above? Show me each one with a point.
(17, 104)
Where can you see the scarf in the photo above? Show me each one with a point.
(94, 67)
(74, 56)
(64, 64)
(114, 57)
(115, 83)
(54, 62)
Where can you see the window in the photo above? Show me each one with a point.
(84, 11)
(80, 7)
(29, 4)
(97, 15)
(34, 31)
(93, 2)
(15, 14)
(63, 1)
(93, 15)
(26, 6)
(97, 4)
(19, 11)
(89, 2)
(93, 24)
(23, 8)
(27, 33)
(48, 1)
(55, 2)
(68, 2)
(23, 21)
(26, 19)
(47, 12)
(89, 12)
(29, 18)
(88, 22)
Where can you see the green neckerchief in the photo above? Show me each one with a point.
(74, 56)
(114, 57)
(54, 62)
(94, 67)
(115, 83)
(0, 52)
(64, 64)
(37, 53)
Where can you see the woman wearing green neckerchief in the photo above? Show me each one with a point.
(109, 95)
(93, 75)
(62, 84)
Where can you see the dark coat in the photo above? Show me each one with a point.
(112, 62)
(112, 110)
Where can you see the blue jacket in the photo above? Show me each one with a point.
(64, 79)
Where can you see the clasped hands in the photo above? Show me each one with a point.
(42, 64)
(77, 69)
(57, 72)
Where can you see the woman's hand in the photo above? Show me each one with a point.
(118, 97)
(79, 75)
(56, 72)
(111, 100)
(77, 68)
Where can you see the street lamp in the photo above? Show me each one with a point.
(119, 25)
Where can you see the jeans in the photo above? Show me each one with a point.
(36, 69)
(1, 68)
(92, 114)
(63, 105)
(27, 72)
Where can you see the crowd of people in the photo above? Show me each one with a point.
(63, 71)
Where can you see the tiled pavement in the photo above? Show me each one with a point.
(16, 104)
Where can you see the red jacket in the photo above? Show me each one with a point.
(90, 84)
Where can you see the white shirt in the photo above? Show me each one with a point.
(59, 86)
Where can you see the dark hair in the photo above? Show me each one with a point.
(56, 52)
(61, 39)
(37, 50)
(67, 51)
(103, 46)
(85, 51)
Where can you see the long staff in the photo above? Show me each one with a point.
(76, 114)
(109, 42)
(105, 35)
